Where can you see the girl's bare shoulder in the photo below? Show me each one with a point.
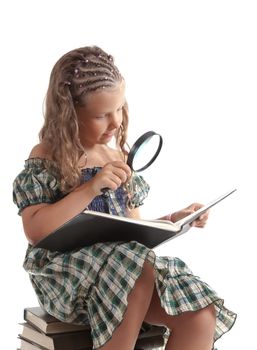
(40, 151)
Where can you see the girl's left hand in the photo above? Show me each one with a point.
(200, 222)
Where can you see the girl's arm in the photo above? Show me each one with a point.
(41, 219)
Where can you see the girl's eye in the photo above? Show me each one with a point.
(100, 116)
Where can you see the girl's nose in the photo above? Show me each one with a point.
(115, 120)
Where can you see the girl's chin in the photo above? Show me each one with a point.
(107, 137)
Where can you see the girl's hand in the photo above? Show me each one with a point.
(200, 222)
(111, 176)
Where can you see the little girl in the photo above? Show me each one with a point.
(113, 287)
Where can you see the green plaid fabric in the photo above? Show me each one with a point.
(91, 285)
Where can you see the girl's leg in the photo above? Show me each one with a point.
(125, 336)
(190, 330)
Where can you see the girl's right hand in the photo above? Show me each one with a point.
(111, 176)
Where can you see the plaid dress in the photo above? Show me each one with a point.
(91, 285)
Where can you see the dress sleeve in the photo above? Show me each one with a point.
(35, 185)
(138, 190)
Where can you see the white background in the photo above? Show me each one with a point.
(190, 68)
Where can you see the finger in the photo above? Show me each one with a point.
(121, 174)
(123, 166)
(194, 206)
(204, 217)
(199, 222)
(112, 182)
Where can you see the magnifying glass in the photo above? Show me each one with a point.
(143, 153)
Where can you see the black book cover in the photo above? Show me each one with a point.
(88, 228)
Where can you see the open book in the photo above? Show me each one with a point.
(90, 227)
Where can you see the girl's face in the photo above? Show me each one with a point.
(101, 116)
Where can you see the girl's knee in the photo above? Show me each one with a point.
(146, 280)
(140, 297)
(148, 271)
(208, 315)
(204, 319)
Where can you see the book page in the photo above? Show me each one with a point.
(162, 224)
(165, 224)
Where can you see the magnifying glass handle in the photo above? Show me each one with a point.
(105, 191)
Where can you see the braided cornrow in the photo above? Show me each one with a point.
(95, 71)
(76, 74)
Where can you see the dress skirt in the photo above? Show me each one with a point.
(91, 285)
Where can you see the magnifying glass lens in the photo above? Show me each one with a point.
(144, 151)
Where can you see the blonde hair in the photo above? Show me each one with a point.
(74, 75)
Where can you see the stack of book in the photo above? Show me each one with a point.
(41, 331)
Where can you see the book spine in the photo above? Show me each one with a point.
(73, 341)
